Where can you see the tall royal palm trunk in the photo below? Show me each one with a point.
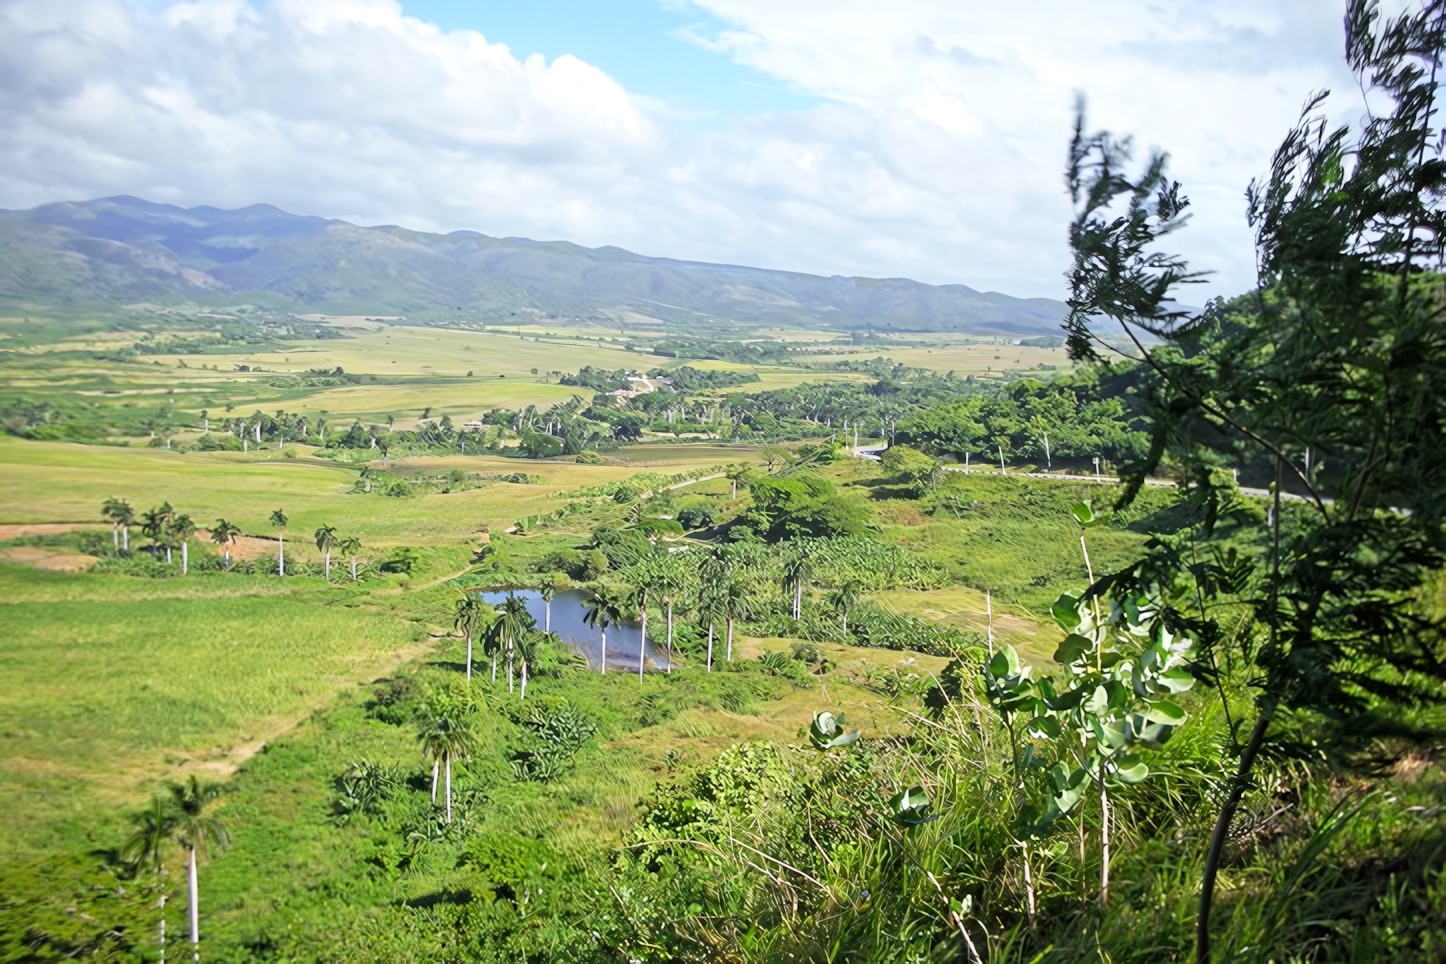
(469, 657)
(798, 601)
(126, 539)
(670, 636)
(281, 555)
(509, 666)
(547, 615)
(604, 659)
(169, 560)
(327, 565)
(195, 905)
(115, 537)
(185, 557)
(642, 643)
(710, 645)
(436, 765)
(524, 680)
(448, 765)
(353, 568)
(730, 639)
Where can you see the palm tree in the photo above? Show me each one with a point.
(196, 829)
(153, 524)
(351, 545)
(443, 732)
(527, 646)
(710, 610)
(796, 573)
(469, 617)
(121, 515)
(223, 534)
(638, 596)
(152, 830)
(738, 473)
(513, 620)
(843, 599)
(605, 609)
(278, 519)
(552, 584)
(672, 582)
(179, 531)
(735, 601)
(326, 541)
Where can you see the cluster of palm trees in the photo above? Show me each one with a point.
(508, 634)
(445, 734)
(182, 816)
(169, 531)
(715, 590)
(328, 542)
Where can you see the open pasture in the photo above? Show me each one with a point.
(58, 482)
(963, 359)
(405, 350)
(112, 683)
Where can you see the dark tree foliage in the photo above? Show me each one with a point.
(1329, 377)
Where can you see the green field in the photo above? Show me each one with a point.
(112, 684)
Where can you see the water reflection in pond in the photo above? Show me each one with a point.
(568, 609)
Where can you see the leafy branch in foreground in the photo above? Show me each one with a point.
(1324, 383)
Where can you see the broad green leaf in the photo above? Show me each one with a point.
(1098, 702)
(1066, 612)
(1132, 770)
(1044, 726)
(1004, 663)
(1073, 647)
(1083, 514)
(1164, 711)
(910, 806)
(827, 731)
(1177, 680)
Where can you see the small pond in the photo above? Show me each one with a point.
(568, 609)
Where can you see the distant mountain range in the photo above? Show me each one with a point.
(124, 250)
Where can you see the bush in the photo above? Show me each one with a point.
(557, 733)
(696, 517)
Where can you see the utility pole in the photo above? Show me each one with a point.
(1001, 460)
(1097, 468)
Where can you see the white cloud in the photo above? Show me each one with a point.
(936, 153)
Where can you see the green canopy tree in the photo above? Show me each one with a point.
(1323, 383)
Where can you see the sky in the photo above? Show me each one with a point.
(909, 138)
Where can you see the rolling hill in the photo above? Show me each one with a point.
(123, 250)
